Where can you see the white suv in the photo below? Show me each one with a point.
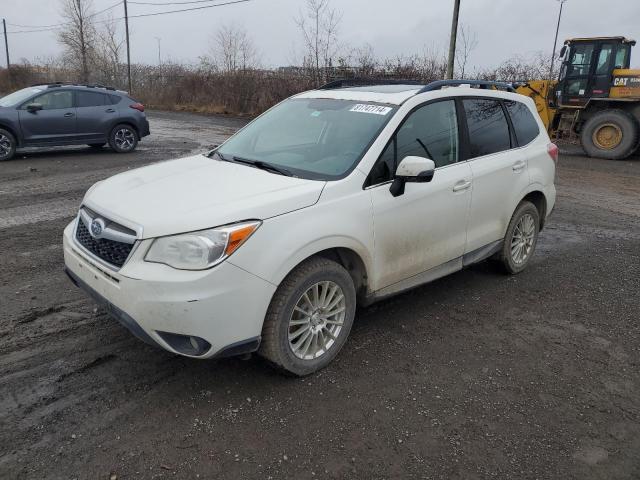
(335, 197)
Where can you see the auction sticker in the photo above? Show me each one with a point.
(375, 109)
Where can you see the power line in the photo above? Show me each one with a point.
(136, 16)
(55, 25)
(166, 4)
(188, 9)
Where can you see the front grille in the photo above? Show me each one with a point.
(115, 253)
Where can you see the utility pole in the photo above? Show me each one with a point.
(126, 26)
(452, 39)
(6, 42)
(158, 39)
(555, 42)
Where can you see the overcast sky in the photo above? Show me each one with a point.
(503, 27)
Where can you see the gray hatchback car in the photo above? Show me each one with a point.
(64, 114)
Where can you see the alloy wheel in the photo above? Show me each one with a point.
(523, 239)
(5, 145)
(125, 139)
(317, 320)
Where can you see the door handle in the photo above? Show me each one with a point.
(518, 166)
(110, 110)
(68, 115)
(461, 185)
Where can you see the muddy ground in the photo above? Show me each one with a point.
(478, 375)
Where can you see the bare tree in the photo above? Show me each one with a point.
(467, 43)
(233, 49)
(78, 34)
(109, 51)
(319, 27)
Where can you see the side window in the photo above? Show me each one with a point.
(90, 99)
(622, 56)
(525, 125)
(55, 100)
(603, 59)
(488, 127)
(430, 131)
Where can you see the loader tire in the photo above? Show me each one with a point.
(610, 134)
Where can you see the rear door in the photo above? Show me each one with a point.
(499, 172)
(95, 115)
(55, 123)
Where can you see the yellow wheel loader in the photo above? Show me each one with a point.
(596, 99)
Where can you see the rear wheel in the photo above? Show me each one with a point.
(8, 145)
(611, 134)
(309, 318)
(123, 138)
(521, 238)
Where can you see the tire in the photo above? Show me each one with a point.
(510, 261)
(97, 145)
(123, 138)
(617, 123)
(280, 339)
(8, 145)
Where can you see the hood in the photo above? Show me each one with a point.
(196, 193)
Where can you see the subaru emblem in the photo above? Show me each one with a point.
(97, 226)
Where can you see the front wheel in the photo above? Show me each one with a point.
(8, 145)
(611, 134)
(309, 318)
(521, 238)
(123, 138)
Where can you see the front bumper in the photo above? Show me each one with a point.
(224, 306)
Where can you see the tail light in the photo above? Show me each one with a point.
(552, 150)
(137, 106)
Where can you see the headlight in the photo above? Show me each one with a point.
(200, 250)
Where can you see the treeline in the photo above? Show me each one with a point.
(249, 91)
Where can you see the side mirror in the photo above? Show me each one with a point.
(34, 107)
(412, 169)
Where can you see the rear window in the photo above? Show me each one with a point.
(525, 125)
(91, 99)
(488, 127)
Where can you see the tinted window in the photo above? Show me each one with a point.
(91, 99)
(114, 99)
(431, 132)
(55, 100)
(524, 124)
(488, 128)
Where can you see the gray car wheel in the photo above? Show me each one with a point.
(521, 238)
(123, 138)
(309, 318)
(8, 145)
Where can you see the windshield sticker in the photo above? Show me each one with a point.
(316, 113)
(375, 109)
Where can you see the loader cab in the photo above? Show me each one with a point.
(587, 68)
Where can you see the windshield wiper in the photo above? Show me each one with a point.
(263, 166)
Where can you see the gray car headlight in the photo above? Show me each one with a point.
(200, 250)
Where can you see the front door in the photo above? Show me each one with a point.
(577, 71)
(54, 123)
(424, 228)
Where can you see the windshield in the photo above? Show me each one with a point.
(312, 138)
(18, 97)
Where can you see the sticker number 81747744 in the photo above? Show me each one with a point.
(375, 109)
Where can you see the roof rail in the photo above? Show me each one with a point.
(365, 82)
(72, 84)
(484, 84)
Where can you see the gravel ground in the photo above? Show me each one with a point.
(477, 375)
